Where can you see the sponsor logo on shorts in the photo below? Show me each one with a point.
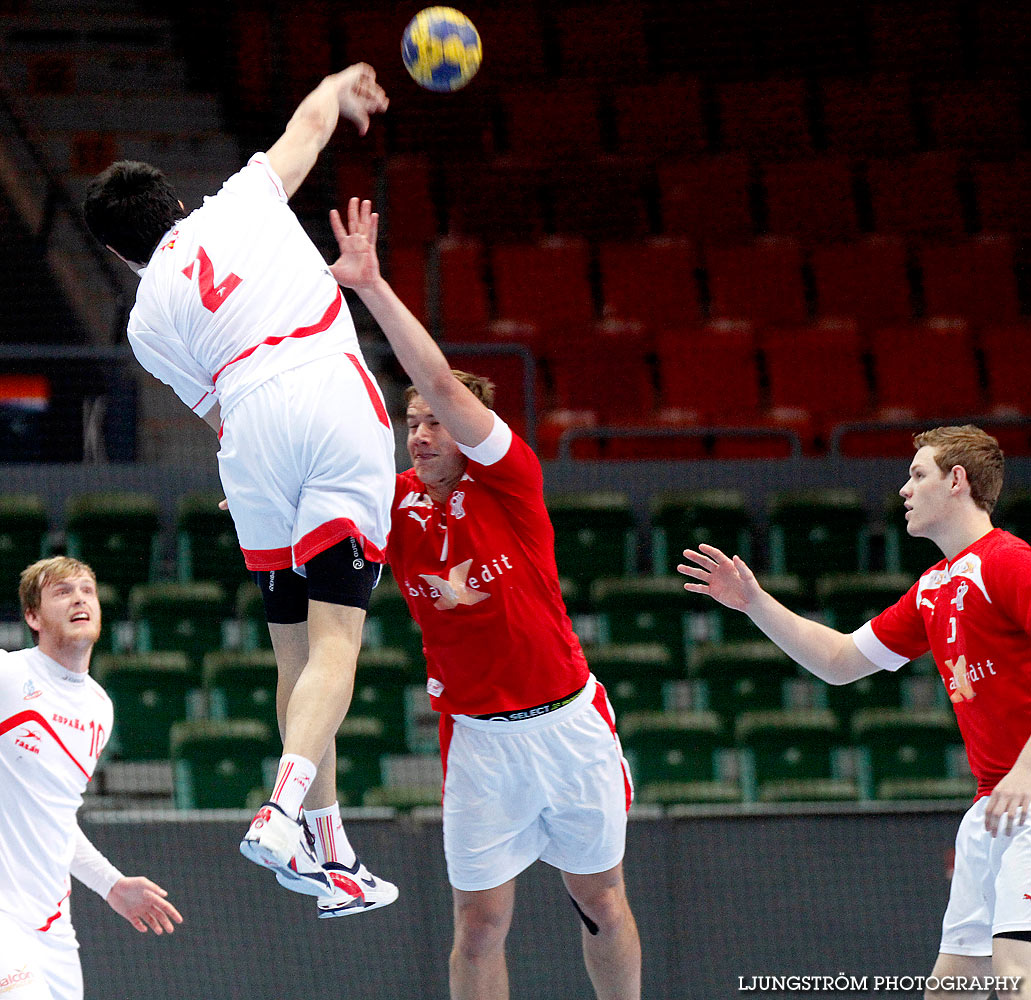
(1027, 896)
(359, 562)
(15, 979)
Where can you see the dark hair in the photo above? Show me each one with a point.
(479, 385)
(129, 207)
(977, 451)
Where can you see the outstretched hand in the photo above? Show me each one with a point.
(360, 96)
(357, 266)
(726, 580)
(144, 905)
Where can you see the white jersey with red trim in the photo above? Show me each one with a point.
(236, 293)
(974, 613)
(479, 576)
(53, 725)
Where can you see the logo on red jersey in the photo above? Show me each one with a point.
(963, 678)
(455, 502)
(454, 590)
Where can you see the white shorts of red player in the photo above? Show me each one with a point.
(554, 787)
(37, 964)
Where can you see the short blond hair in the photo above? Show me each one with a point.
(35, 577)
(976, 450)
(479, 385)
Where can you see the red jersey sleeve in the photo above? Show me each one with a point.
(897, 635)
(1008, 579)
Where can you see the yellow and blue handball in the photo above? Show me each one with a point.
(441, 49)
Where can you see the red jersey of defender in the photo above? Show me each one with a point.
(974, 614)
(480, 578)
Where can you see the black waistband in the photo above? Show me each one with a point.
(518, 714)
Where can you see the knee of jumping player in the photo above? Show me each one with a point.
(480, 928)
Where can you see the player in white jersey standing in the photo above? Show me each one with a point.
(54, 722)
(238, 313)
(972, 610)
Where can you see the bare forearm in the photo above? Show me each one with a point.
(823, 651)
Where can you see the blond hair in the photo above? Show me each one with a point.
(479, 385)
(35, 577)
(974, 449)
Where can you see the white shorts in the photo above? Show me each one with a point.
(555, 787)
(39, 965)
(990, 885)
(306, 460)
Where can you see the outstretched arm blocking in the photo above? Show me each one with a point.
(352, 93)
(824, 652)
(465, 417)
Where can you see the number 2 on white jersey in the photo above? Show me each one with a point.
(212, 296)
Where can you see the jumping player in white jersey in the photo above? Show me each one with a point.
(533, 765)
(54, 722)
(972, 610)
(238, 313)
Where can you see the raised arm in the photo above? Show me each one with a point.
(828, 654)
(352, 93)
(466, 419)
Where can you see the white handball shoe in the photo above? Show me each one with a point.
(372, 892)
(275, 841)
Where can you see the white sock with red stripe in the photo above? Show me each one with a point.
(293, 779)
(331, 843)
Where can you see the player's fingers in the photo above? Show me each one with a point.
(352, 215)
(715, 554)
(694, 571)
(373, 229)
(698, 557)
(696, 588)
(337, 225)
(742, 568)
(991, 816)
(170, 912)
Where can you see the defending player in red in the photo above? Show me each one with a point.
(54, 722)
(533, 765)
(972, 610)
(238, 313)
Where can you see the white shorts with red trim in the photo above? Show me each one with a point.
(555, 787)
(307, 459)
(39, 965)
(991, 885)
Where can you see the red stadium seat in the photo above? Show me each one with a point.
(355, 178)
(766, 118)
(1004, 195)
(1003, 28)
(913, 36)
(917, 196)
(545, 283)
(927, 369)
(818, 369)
(1007, 361)
(974, 279)
(760, 281)
(652, 280)
(512, 41)
(811, 199)
(660, 119)
(708, 199)
(463, 309)
(865, 280)
(602, 41)
(506, 371)
(980, 116)
(557, 122)
(709, 373)
(869, 117)
(461, 125)
(306, 48)
(373, 35)
(601, 198)
(406, 268)
(250, 52)
(410, 215)
(500, 200)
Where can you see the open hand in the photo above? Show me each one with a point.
(357, 266)
(726, 580)
(1008, 804)
(144, 905)
(359, 95)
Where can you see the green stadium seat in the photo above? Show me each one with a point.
(816, 531)
(684, 519)
(360, 746)
(187, 617)
(726, 625)
(422, 723)
(788, 756)
(634, 674)
(241, 685)
(116, 635)
(902, 553)
(674, 757)
(250, 613)
(852, 599)
(1013, 512)
(409, 781)
(742, 676)
(389, 623)
(643, 610)
(594, 535)
(218, 764)
(883, 689)
(150, 692)
(379, 693)
(904, 746)
(115, 534)
(23, 530)
(403, 797)
(206, 544)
